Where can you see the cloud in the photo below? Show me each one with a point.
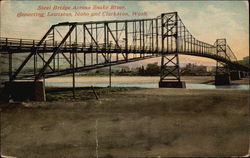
(154, 9)
(214, 23)
(11, 26)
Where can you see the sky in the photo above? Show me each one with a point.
(206, 20)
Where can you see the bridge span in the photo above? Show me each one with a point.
(72, 47)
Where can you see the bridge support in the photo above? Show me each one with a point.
(235, 75)
(25, 90)
(172, 84)
(243, 74)
(222, 75)
(170, 68)
(222, 79)
(170, 73)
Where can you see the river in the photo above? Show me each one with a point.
(192, 82)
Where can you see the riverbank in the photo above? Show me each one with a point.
(144, 122)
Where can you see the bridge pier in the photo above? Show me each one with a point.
(243, 74)
(235, 75)
(25, 90)
(222, 79)
(172, 84)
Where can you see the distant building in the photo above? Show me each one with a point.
(189, 66)
(198, 68)
(211, 68)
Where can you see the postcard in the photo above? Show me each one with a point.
(109, 79)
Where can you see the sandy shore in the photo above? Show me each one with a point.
(147, 122)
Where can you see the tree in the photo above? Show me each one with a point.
(141, 71)
(152, 69)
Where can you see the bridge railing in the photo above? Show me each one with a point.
(15, 42)
(18, 42)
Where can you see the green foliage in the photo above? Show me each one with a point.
(151, 70)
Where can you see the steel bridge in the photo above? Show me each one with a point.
(72, 47)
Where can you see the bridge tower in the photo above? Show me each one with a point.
(170, 68)
(222, 75)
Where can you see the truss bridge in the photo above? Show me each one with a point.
(73, 47)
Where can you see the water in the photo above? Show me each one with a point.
(146, 85)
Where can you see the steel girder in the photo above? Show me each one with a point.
(221, 50)
(170, 68)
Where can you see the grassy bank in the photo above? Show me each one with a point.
(83, 93)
